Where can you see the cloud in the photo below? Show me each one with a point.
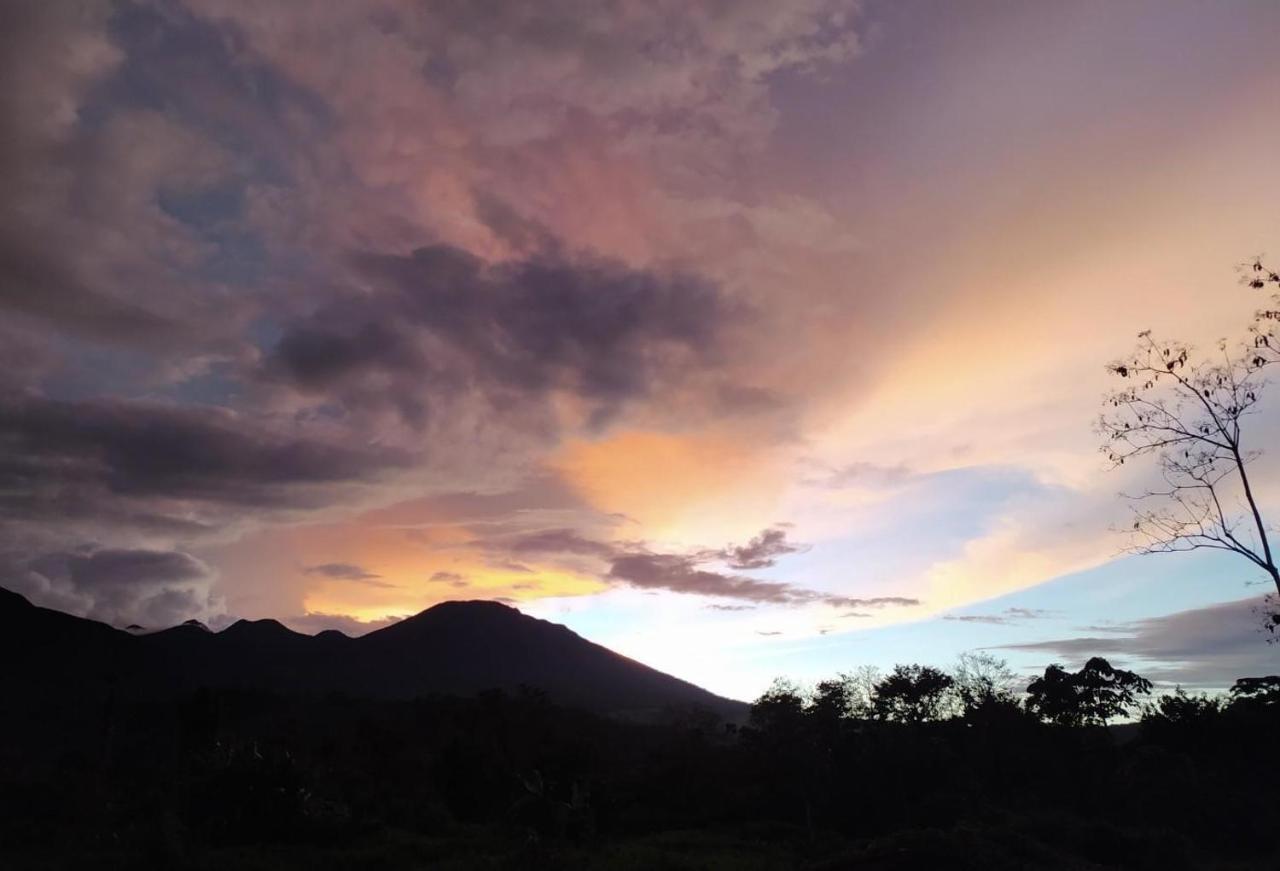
(681, 574)
(341, 571)
(1004, 618)
(1027, 613)
(189, 452)
(163, 469)
(762, 551)
(440, 325)
(453, 579)
(154, 477)
(874, 602)
(1203, 647)
(559, 541)
(635, 564)
(989, 619)
(312, 623)
(626, 65)
(863, 474)
(348, 572)
(117, 585)
(247, 277)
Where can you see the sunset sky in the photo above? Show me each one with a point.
(744, 338)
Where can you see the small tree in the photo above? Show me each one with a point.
(983, 681)
(1090, 696)
(830, 701)
(779, 709)
(913, 694)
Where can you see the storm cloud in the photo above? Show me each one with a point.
(153, 588)
(440, 323)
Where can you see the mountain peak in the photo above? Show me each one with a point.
(259, 630)
(459, 612)
(477, 606)
(457, 647)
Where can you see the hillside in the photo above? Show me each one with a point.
(459, 648)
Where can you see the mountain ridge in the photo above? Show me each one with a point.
(459, 647)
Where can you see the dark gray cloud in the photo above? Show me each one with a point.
(155, 476)
(161, 469)
(635, 564)
(441, 323)
(342, 571)
(680, 573)
(189, 452)
(1203, 647)
(348, 572)
(116, 585)
(111, 567)
(762, 551)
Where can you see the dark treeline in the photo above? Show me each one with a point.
(914, 769)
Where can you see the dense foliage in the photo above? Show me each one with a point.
(919, 768)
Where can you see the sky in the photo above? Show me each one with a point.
(745, 338)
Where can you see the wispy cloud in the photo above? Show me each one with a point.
(1003, 618)
(347, 572)
(692, 572)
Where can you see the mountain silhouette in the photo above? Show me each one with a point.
(458, 648)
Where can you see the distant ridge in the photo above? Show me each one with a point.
(461, 648)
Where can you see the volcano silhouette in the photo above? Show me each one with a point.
(457, 648)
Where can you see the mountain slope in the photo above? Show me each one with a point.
(459, 648)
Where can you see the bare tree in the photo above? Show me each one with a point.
(982, 680)
(1188, 413)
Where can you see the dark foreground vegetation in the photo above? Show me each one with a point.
(916, 769)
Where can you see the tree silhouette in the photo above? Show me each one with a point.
(831, 701)
(1188, 413)
(983, 679)
(1261, 691)
(1088, 697)
(913, 694)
